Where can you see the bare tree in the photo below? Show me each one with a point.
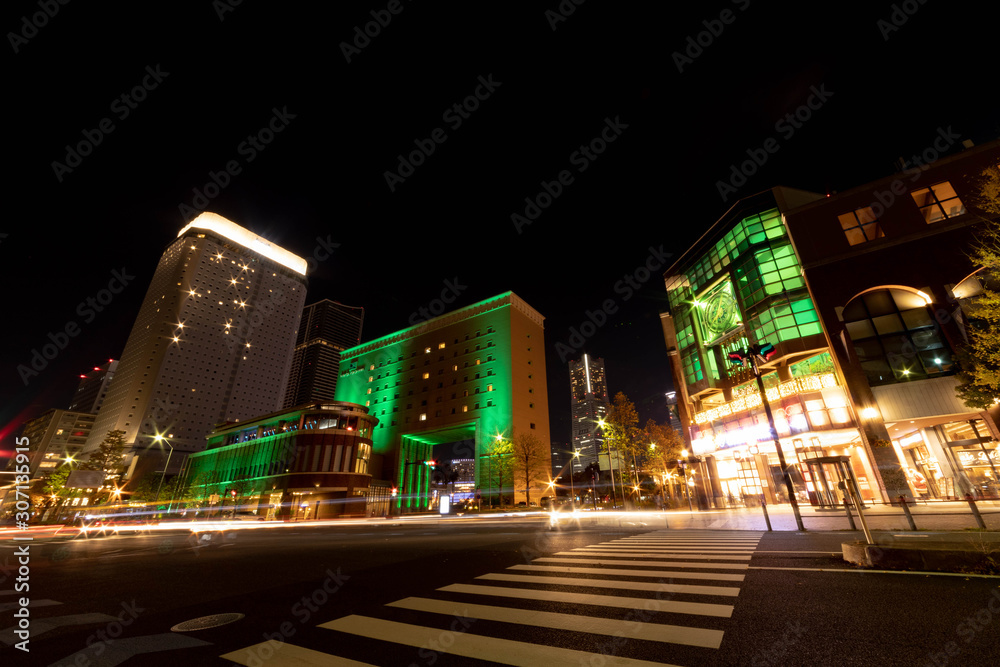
(531, 460)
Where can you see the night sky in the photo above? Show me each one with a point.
(309, 114)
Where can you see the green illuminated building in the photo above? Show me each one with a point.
(462, 378)
(311, 461)
(742, 284)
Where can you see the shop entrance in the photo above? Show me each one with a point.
(827, 473)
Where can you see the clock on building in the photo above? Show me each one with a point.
(720, 312)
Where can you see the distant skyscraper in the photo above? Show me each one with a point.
(212, 343)
(589, 404)
(327, 329)
(93, 387)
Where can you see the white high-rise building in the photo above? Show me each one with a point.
(212, 343)
(589, 404)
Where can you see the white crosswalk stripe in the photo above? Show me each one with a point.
(624, 597)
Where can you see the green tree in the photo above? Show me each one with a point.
(665, 445)
(979, 360)
(108, 457)
(531, 460)
(499, 464)
(623, 435)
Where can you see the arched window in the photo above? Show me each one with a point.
(895, 336)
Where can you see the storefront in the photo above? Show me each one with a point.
(949, 460)
(738, 460)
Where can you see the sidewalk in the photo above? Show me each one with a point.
(948, 516)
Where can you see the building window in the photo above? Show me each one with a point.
(938, 202)
(423, 416)
(896, 337)
(860, 225)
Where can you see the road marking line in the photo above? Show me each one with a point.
(637, 563)
(614, 583)
(505, 651)
(288, 655)
(697, 608)
(831, 569)
(648, 554)
(673, 634)
(669, 574)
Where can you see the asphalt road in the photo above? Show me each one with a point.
(504, 591)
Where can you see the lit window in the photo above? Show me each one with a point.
(938, 202)
(440, 346)
(423, 416)
(426, 375)
(860, 225)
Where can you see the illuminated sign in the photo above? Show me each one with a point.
(750, 401)
(720, 313)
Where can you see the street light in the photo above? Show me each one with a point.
(160, 439)
(756, 354)
(572, 490)
(687, 483)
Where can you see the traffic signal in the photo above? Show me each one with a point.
(232, 492)
(736, 358)
(430, 463)
(394, 490)
(766, 351)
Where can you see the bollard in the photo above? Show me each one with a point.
(767, 519)
(850, 517)
(975, 511)
(906, 510)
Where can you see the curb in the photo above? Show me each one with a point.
(938, 558)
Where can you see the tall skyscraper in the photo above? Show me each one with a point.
(212, 343)
(327, 329)
(588, 404)
(93, 387)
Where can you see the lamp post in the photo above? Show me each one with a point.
(763, 352)
(159, 438)
(687, 487)
(572, 490)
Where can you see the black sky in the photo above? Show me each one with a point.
(223, 75)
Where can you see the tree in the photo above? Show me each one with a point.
(499, 464)
(109, 456)
(665, 445)
(530, 460)
(979, 361)
(622, 434)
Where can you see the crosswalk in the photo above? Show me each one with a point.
(660, 598)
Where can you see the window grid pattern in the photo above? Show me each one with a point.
(938, 202)
(860, 225)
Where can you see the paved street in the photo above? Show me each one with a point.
(499, 591)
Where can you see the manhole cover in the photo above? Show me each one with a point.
(206, 622)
